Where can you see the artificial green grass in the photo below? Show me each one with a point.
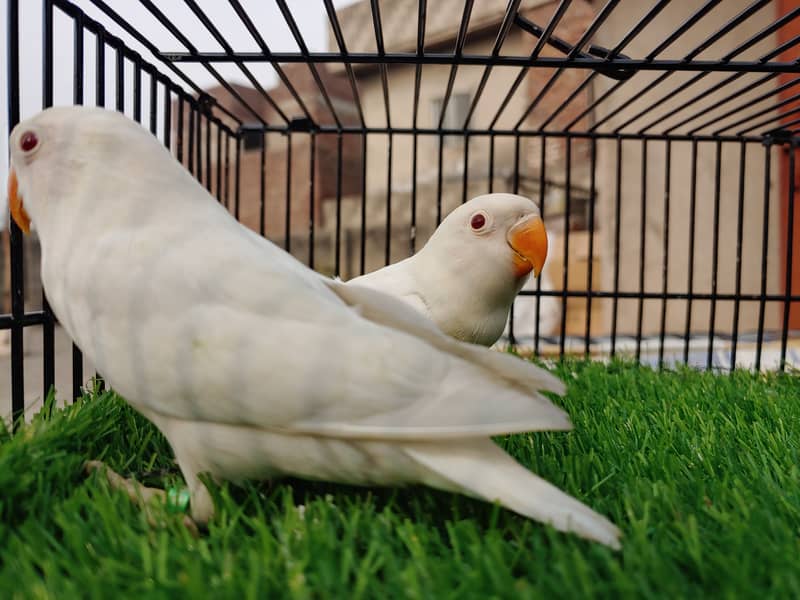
(700, 471)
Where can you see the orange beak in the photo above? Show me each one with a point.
(18, 212)
(528, 239)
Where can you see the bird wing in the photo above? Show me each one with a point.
(191, 315)
(397, 281)
(387, 311)
(235, 330)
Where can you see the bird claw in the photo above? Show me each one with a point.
(138, 494)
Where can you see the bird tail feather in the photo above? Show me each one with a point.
(481, 469)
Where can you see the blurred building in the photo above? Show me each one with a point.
(286, 158)
(390, 188)
(480, 163)
(409, 180)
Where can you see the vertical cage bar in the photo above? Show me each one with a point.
(542, 195)
(787, 303)
(422, 11)
(665, 257)
(337, 260)
(412, 237)
(153, 103)
(119, 90)
(491, 163)
(511, 337)
(311, 199)
(77, 91)
(218, 184)
(590, 270)
(439, 176)
(179, 131)
(642, 252)
(167, 117)
(198, 157)
(287, 243)
(714, 257)
(190, 144)
(48, 326)
(207, 152)
(47, 53)
(262, 185)
(137, 89)
(421, 20)
(388, 246)
(690, 267)
(238, 176)
(363, 240)
(764, 252)
(617, 228)
(739, 239)
(227, 159)
(100, 67)
(16, 251)
(465, 170)
(565, 263)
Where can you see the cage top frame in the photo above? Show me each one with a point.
(685, 121)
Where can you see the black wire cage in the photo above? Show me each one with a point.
(659, 139)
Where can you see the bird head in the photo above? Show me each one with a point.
(507, 227)
(26, 147)
(56, 152)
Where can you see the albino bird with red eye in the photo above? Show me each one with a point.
(478, 222)
(28, 143)
(152, 300)
(466, 277)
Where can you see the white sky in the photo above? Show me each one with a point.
(310, 16)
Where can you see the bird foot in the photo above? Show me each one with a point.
(139, 494)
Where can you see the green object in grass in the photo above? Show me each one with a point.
(177, 500)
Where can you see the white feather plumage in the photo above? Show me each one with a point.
(251, 364)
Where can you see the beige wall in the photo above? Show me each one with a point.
(433, 85)
(680, 183)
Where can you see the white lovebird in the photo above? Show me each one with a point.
(467, 275)
(251, 364)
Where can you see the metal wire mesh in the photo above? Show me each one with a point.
(659, 139)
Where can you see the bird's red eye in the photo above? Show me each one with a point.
(28, 141)
(477, 221)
